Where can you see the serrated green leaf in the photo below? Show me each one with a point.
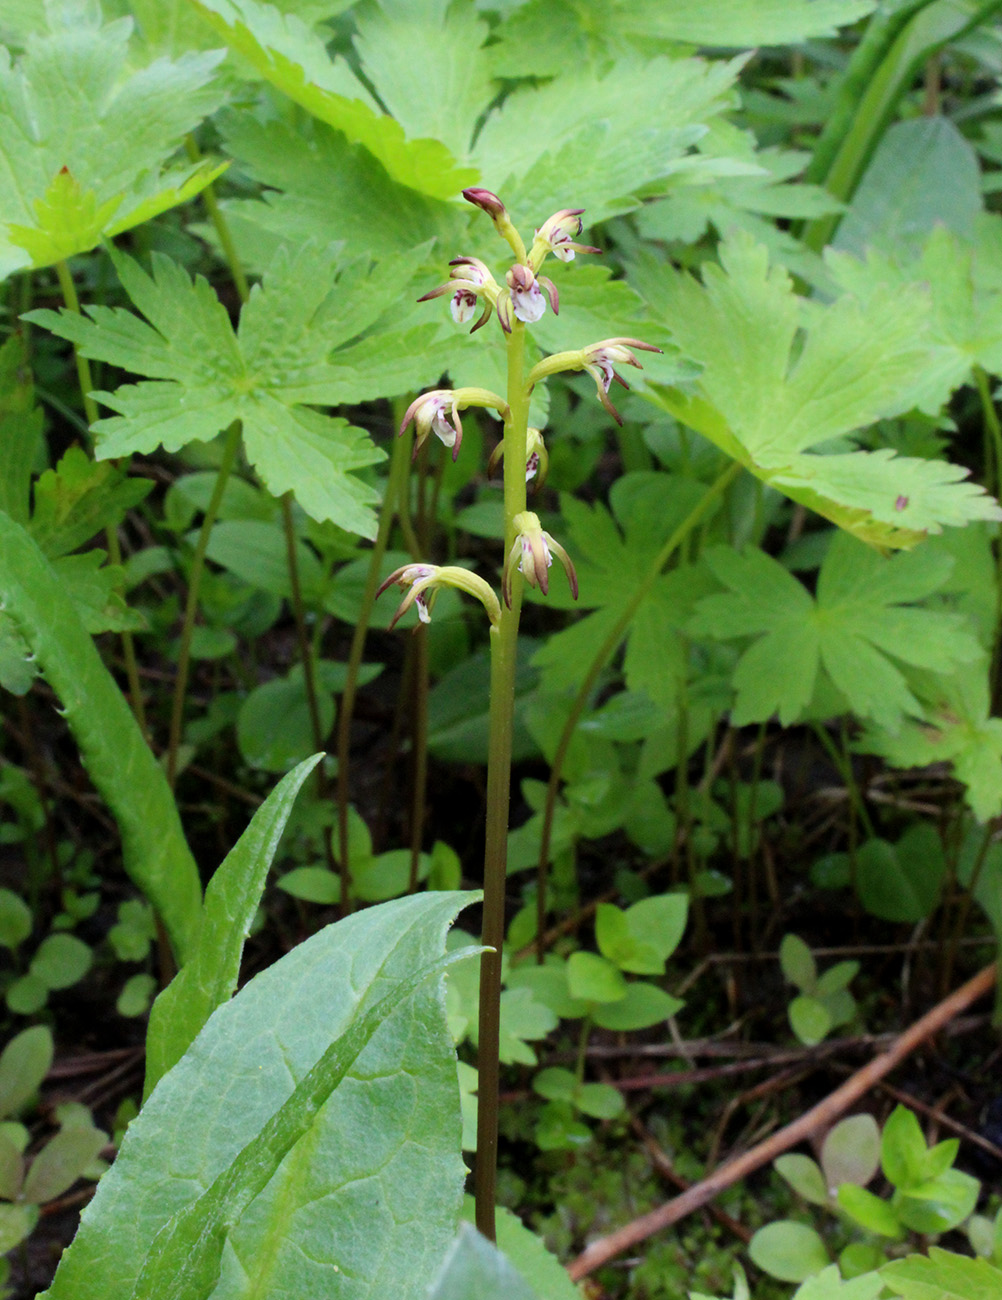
(93, 161)
(853, 365)
(209, 977)
(342, 1116)
(861, 620)
(741, 22)
(599, 159)
(78, 498)
(942, 1275)
(284, 51)
(206, 376)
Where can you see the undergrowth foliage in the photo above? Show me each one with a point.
(726, 327)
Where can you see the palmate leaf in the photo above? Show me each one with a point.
(84, 146)
(965, 322)
(602, 142)
(854, 364)
(955, 727)
(283, 50)
(739, 22)
(613, 553)
(862, 624)
(301, 340)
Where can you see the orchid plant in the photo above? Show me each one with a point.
(518, 302)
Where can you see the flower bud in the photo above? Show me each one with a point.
(537, 460)
(489, 202)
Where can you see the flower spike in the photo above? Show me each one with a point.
(437, 412)
(422, 582)
(533, 550)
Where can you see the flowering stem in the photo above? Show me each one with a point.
(504, 655)
(602, 655)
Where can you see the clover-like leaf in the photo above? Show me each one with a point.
(86, 138)
(854, 363)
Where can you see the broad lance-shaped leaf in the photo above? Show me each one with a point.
(209, 977)
(85, 144)
(313, 333)
(744, 325)
(308, 1142)
(114, 751)
(284, 51)
(863, 619)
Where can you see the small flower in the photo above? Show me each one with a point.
(556, 235)
(600, 361)
(437, 412)
(534, 549)
(422, 582)
(537, 461)
(469, 280)
(527, 299)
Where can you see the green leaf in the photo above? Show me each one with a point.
(797, 963)
(16, 1223)
(594, 979)
(739, 22)
(957, 728)
(804, 1176)
(810, 1019)
(15, 919)
(61, 960)
(475, 1267)
(644, 1006)
(528, 1253)
(789, 1251)
(611, 151)
(903, 1149)
(61, 1162)
(286, 53)
(640, 939)
(338, 1145)
(27, 995)
(869, 1211)
(293, 348)
(312, 885)
(209, 977)
(942, 1276)
(902, 882)
(94, 161)
(939, 1205)
(79, 498)
(137, 993)
(829, 1285)
(854, 364)
(850, 1152)
(24, 1063)
(114, 750)
(862, 619)
(924, 174)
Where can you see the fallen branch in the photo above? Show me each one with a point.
(817, 1119)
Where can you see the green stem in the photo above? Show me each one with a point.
(222, 227)
(419, 751)
(396, 483)
(230, 448)
(601, 657)
(504, 655)
(110, 532)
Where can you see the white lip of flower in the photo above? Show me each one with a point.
(528, 304)
(421, 583)
(532, 466)
(463, 305)
(441, 426)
